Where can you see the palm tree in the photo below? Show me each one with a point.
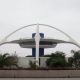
(7, 61)
(70, 61)
(32, 64)
(76, 58)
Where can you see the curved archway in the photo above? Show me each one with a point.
(71, 40)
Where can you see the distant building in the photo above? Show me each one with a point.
(38, 42)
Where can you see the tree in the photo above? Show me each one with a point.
(7, 61)
(57, 59)
(75, 59)
(32, 64)
(70, 61)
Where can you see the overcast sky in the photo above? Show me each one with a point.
(63, 14)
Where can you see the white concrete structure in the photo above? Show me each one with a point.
(46, 43)
(37, 40)
(24, 61)
(72, 41)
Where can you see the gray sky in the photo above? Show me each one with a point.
(63, 14)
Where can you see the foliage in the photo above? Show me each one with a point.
(7, 61)
(28, 56)
(47, 55)
(70, 61)
(75, 59)
(57, 59)
(32, 64)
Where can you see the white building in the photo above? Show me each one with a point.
(38, 42)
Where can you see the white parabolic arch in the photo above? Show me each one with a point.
(71, 40)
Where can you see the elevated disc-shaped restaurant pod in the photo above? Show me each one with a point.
(44, 42)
